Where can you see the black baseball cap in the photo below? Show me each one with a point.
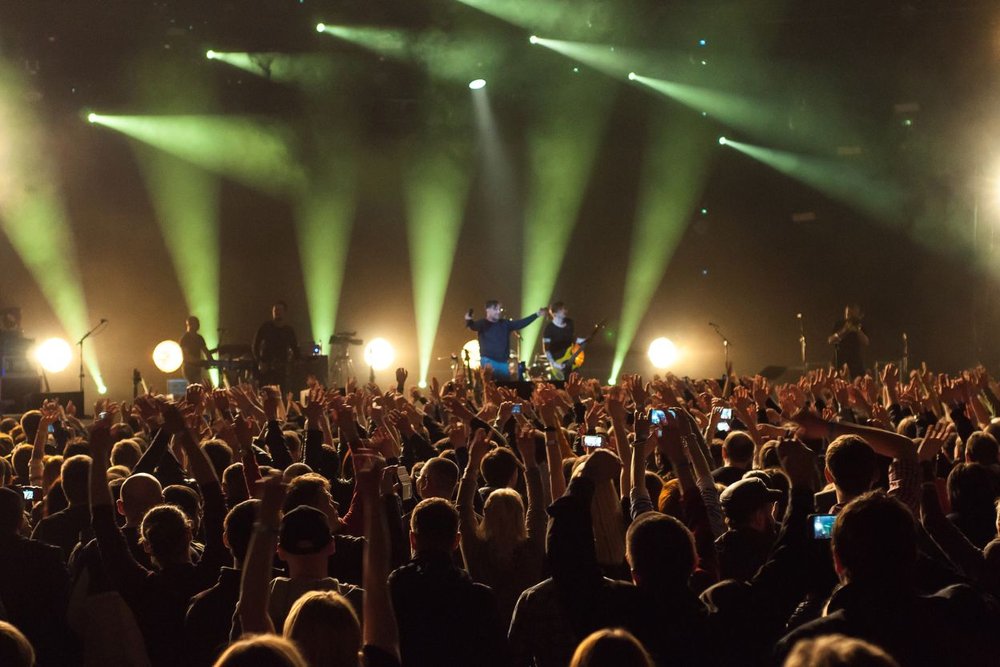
(305, 530)
(743, 497)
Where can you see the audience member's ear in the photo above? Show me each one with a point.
(120, 507)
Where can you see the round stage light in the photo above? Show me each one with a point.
(167, 356)
(91, 117)
(662, 353)
(422, 384)
(472, 347)
(723, 141)
(477, 84)
(54, 355)
(632, 76)
(533, 40)
(210, 54)
(320, 27)
(379, 354)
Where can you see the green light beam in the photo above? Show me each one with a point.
(33, 217)
(673, 176)
(252, 152)
(614, 61)
(565, 17)
(847, 183)
(324, 219)
(306, 69)
(561, 156)
(439, 177)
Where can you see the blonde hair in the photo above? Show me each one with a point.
(613, 647)
(261, 651)
(326, 629)
(607, 520)
(837, 651)
(503, 522)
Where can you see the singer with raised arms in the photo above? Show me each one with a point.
(493, 333)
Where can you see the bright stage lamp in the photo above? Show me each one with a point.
(632, 76)
(477, 84)
(533, 40)
(723, 141)
(167, 356)
(54, 355)
(379, 354)
(472, 347)
(91, 117)
(662, 353)
(320, 27)
(210, 54)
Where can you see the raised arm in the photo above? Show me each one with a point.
(256, 580)
(467, 521)
(380, 629)
(514, 325)
(36, 464)
(535, 516)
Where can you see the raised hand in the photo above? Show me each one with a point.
(574, 385)
(314, 409)
(934, 440)
(527, 444)
(401, 375)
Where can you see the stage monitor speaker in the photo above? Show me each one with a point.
(15, 390)
(34, 401)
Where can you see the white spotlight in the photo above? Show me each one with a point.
(662, 353)
(632, 76)
(477, 84)
(54, 355)
(167, 356)
(379, 354)
(533, 40)
(472, 347)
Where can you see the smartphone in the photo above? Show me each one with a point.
(31, 493)
(727, 413)
(822, 525)
(52, 428)
(657, 416)
(405, 482)
(516, 410)
(591, 441)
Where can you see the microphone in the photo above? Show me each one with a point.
(104, 320)
(469, 313)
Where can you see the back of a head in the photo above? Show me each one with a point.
(238, 527)
(185, 498)
(219, 453)
(611, 648)
(75, 473)
(972, 488)
(29, 423)
(167, 532)
(503, 519)
(434, 524)
(15, 649)
(441, 476)
(126, 453)
(140, 492)
(262, 651)
(293, 471)
(852, 464)
(499, 467)
(738, 448)
(837, 651)
(11, 512)
(875, 541)
(325, 627)
(660, 550)
(234, 484)
(306, 489)
(19, 459)
(982, 448)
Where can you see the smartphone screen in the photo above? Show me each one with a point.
(592, 441)
(822, 525)
(657, 416)
(516, 410)
(727, 413)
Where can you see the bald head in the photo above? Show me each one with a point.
(139, 493)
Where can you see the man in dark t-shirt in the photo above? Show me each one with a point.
(557, 338)
(274, 346)
(193, 346)
(849, 340)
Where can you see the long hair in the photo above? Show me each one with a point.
(503, 522)
(261, 651)
(325, 627)
(609, 525)
(613, 647)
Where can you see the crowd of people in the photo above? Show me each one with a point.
(829, 521)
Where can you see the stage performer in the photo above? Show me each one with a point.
(849, 340)
(557, 339)
(193, 346)
(494, 336)
(274, 347)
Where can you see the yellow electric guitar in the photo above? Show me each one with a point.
(573, 357)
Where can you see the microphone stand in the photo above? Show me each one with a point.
(906, 356)
(725, 343)
(80, 344)
(802, 341)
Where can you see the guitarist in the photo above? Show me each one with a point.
(557, 338)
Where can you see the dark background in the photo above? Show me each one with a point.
(746, 265)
